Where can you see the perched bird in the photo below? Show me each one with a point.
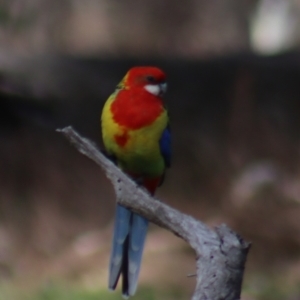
(136, 135)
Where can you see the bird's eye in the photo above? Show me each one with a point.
(150, 79)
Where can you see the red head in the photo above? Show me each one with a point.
(138, 102)
(152, 79)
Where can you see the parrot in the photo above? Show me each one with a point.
(136, 136)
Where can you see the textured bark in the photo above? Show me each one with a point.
(220, 253)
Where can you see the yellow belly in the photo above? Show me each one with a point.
(141, 153)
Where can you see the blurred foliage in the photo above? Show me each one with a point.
(105, 27)
(271, 286)
(258, 288)
(112, 28)
(4, 16)
(70, 292)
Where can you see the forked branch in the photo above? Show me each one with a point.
(220, 253)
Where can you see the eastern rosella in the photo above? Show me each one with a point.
(136, 135)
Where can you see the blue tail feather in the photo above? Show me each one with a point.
(137, 237)
(129, 237)
(121, 230)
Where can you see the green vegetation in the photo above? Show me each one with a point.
(271, 287)
(257, 287)
(67, 292)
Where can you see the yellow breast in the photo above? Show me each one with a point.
(137, 151)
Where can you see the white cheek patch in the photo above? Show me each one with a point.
(153, 89)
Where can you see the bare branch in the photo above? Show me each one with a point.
(221, 253)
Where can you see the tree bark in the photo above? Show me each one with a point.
(220, 253)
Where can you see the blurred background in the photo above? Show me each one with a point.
(234, 98)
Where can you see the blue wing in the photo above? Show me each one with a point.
(165, 146)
